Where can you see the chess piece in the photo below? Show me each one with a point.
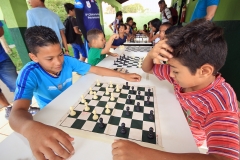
(95, 95)
(138, 107)
(98, 84)
(87, 108)
(83, 100)
(148, 100)
(114, 63)
(117, 88)
(127, 112)
(132, 91)
(138, 95)
(150, 133)
(126, 87)
(123, 129)
(101, 124)
(112, 97)
(95, 116)
(110, 84)
(129, 99)
(107, 111)
(106, 93)
(91, 92)
(117, 60)
(72, 112)
(151, 116)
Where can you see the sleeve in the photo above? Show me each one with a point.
(94, 56)
(223, 134)
(77, 66)
(74, 22)
(25, 85)
(168, 13)
(212, 2)
(162, 72)
(60, 24)
(30, 21)
(1, 24)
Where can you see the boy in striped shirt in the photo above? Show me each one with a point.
(198, 51)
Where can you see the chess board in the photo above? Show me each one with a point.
(138, 48)
(137, 124)
(128, 62)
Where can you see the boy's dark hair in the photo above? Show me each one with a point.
(39, 36)
(93, 34)
(156, 23)
(122, 25)
(127, 25)
(145, 25)
(198, 43)
(129, 19)
(42, 1)
(68, 7)
(119, 13)
(161, 1)
(134, 23)
(167, 24)
(172, 29)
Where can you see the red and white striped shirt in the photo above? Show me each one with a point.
(212, 114)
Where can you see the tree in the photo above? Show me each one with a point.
(110, 10)
(133, 8)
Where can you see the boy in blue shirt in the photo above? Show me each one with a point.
(47, 76)
(122, 38)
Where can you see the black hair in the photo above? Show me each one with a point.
(119, 13)
(134, 23)
(93, 34)
(68, 7)
(40, 36)
(167, 24)
(161, 1)
(172, 29)
(198, 43)
(156, 23)
(43, 1)
(129, 19)
(122, 25)
(145, 25)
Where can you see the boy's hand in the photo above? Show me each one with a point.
(114, 54)
(127, 150)
(132, 77)
(160, 52)
(115, 36)
(48, 142)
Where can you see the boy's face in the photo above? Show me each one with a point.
(72, 13)
(183, 76)
(130, 22)
(100, 41)
(121, 29)
(162, 30)
(127, 30)
(49, 57)
(34, 3)
(119, 17)
(161, 6)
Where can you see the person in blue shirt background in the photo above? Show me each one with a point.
(47, 76)
(205, 9)
(122, 38)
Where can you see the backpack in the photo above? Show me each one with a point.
(174, 14)
(69, 31)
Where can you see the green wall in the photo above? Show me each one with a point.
(228, 17)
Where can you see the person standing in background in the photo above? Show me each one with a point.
(116, 22)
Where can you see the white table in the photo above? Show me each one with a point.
(176, 135)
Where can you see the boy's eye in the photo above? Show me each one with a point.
(175, 72)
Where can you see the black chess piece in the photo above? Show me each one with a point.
(148, 100)
(148, 93)
(123, 129)
(101, 124)
(150, 133)
(127, 112)
(138, 107)
(151, 116)
(117, 60)
(132, 91)
(120, 57)
(114, 63)
(129, 99)
(138, 95)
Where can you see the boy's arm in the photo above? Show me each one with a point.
(153, 37)
(64, 41)
(109, 43)
(126, 150)
(132, 77)
(112, 54)
(110, 26)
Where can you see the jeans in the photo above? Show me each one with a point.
(8, 74)
(77, 49)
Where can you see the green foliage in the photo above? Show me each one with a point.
(133, 8)
(110, 10)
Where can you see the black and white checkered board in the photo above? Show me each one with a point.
(137, 123)
(138, 48)
(128, 62)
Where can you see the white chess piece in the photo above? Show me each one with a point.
(110, 84)
(91, 92)
(106, 93)
(117, 88)
(72, 112)
(95, 95)
(83, 100)
(95, 116)
(98, 84)
(107, 111)
(87, 108)
(112, 97)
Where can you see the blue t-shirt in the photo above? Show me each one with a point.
(45, 17)
(33, 80)
(119, 41)
(3, 54)
(91, 13)
(200, 10)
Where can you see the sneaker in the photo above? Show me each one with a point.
(32, 110)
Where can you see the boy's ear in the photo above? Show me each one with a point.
(206, 70)
(33, 57)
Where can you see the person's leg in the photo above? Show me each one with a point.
(3, 100)
(75, 51)
(86, 46)
(83, 52)
(8, 74)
